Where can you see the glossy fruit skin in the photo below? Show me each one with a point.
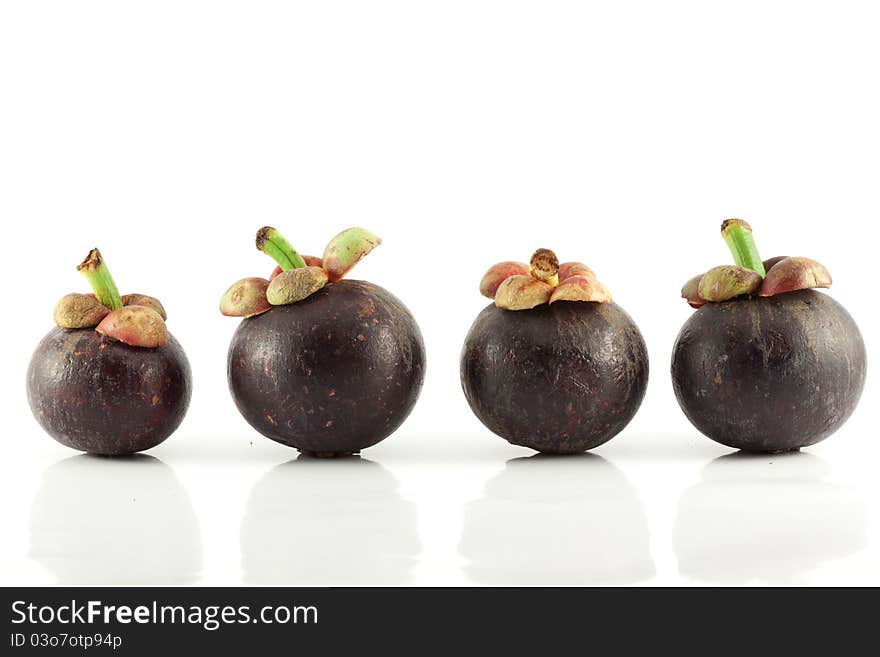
(769, 374)
(95, 394)
(329, 375)
(561, 378)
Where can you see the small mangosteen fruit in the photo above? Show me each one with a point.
(325, 365)
(553, 364)
(109, 379)
(766, 363)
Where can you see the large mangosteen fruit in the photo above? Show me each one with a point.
(553, 364)
(109, 379)
(766, 363)
(325, 365)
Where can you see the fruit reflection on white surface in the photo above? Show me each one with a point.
(548, 520)
(329, 522)
(98, 520)
(766, 519)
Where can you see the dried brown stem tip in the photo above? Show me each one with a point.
(91, 262)
(791, 274)
(273, 244)
(263, 237)
(730, 223)
(74, 311)
(544, 266)
(95, 270)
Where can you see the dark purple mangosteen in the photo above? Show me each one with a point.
(109, 379)
(766, 363)
(325, 365)
(553, 364)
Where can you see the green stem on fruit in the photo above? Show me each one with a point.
(738, 235)
(96, 272)
(273, 244)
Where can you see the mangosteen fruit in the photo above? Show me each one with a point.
(325, 365)
(553, 364)
(766, 363)
(108, 379)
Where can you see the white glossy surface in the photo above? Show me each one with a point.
(463, 133)
(442, 511)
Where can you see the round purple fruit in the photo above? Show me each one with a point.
(766, 363)
(553, 364)
(109, 379)
(325, 365)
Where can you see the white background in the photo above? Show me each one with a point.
(463, 133)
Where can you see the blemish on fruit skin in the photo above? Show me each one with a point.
(332, 393)
(367, 308)
(721, 360)
(361, 337)
(271, 420)
(328, 424)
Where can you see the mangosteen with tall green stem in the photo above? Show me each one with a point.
(325, 365)
(108, 379)
(766, 363)
(553, 364)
